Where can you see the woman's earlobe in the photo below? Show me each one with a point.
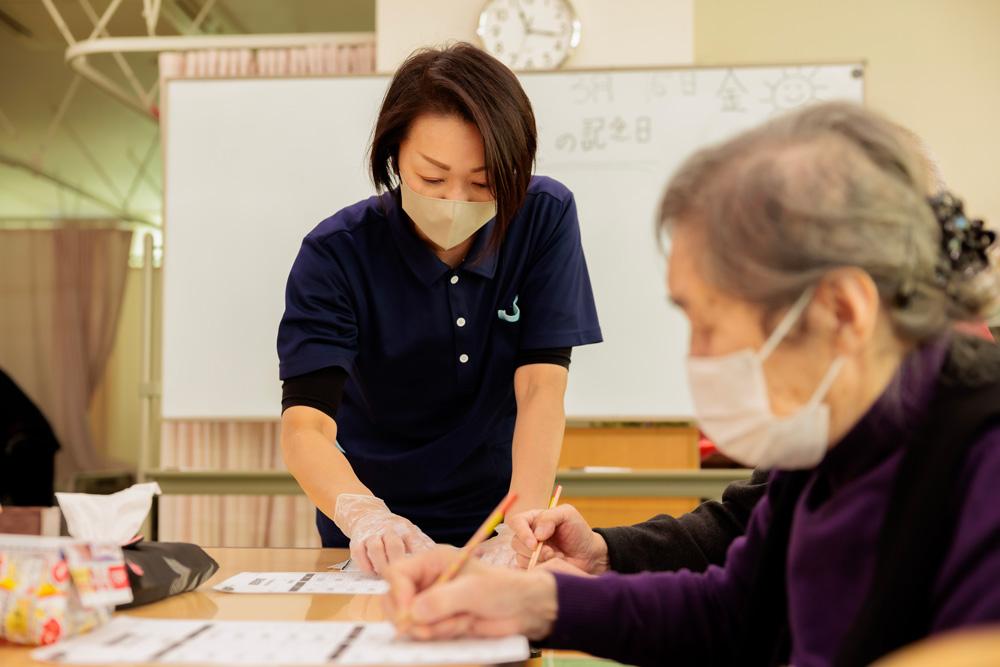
(837, 309)
(858, 308)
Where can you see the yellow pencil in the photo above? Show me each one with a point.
(480, 536)
(541, 543)
(484, 531)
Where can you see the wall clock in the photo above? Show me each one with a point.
(529, 34)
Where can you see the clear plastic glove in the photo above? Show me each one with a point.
(499, 549)
(378, 537)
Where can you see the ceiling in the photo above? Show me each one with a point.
(100, 144)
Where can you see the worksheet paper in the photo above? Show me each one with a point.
(128, 639)
(349, 583)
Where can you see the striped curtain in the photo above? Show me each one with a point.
(234, 521)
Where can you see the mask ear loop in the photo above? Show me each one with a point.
(786, 323)
(827, 381)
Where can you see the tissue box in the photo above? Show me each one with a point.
(52, 587)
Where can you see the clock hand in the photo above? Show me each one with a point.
(524, 39)
(550, 33)
(525, 23)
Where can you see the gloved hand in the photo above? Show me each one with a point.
(499, 549)
(378, 537)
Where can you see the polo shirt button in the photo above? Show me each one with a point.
(454, 280)
(460, 321)
(464, 358)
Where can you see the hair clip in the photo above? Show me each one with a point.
(964, 242)
(904, 295)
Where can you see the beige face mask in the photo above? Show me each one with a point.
(445, 222)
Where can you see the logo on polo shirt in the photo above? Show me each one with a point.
(510, 317)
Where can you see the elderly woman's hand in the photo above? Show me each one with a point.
(566, 534)
(481, 601)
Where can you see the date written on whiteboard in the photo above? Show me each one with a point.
(598, 133)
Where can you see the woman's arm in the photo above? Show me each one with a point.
(308, 445)
(378, 537)
(677, 618)
(538, 433)
(694, 541)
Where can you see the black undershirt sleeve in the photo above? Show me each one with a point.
(321, 390)
(560, 356)
(324, 389)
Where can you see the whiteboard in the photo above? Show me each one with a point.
(252, 165)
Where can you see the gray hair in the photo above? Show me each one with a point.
(828, 186)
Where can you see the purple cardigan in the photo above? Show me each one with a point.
(677, 617)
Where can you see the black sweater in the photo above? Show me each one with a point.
(694, 541)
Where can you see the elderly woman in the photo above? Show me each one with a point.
(822, 287)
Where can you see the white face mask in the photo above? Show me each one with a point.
(732, 406)
(446, 222)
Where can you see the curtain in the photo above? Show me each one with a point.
(60, 296)
(273, 521)
(235, 521)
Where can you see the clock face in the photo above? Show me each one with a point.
(529, 34)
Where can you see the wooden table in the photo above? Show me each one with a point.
(972, 647)
(208, 604)
(967, 649)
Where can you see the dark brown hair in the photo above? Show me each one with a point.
(463, 80)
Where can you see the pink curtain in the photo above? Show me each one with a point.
(60, 295)
(275, 521)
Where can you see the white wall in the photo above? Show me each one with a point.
(615, 33)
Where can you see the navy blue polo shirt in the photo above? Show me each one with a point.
(427, 416)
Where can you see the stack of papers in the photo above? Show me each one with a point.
(139, 640)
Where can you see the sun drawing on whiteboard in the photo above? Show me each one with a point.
(795, 88)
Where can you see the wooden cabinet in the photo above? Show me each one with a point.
(657, 447)
(640, 447)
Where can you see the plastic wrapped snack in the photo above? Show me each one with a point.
(51, 587)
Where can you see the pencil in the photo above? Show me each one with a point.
(541, 543)
(480, 536)
(483, 532)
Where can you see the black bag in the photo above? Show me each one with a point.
(27, 449)
(157, 570)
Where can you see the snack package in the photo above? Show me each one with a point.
(55, 587)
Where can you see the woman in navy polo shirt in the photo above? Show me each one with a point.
(427, 331)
